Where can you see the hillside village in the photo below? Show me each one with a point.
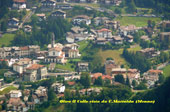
(49, 64)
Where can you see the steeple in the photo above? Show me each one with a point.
(53, 40)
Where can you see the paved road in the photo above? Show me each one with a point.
(7, 85)
(28, 16)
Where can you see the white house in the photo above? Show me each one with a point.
(15, 93)
(58, 87)
(21, 66)
(19, 4)
(104, 33)
(81, 19)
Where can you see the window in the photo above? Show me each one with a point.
(53, 53)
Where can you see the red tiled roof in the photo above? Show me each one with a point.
(96, 75)
(24, 48)
(35, 67)
(155, 71)
(106, 77)
(3, 60)
(104, 29)
(71, 83)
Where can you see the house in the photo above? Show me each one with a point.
(58, 87)
(30, 105)
(91, 1)
(58, 14)
(27, 28)
(16, 105)
(19, 4)
(71, 83)
(116, 71)
(107, 77)
(18, 52)
(89, 91)
(75, 37)
(128, 30)
(15, 94)
(100, 20)
(81, 19)
(10, 74)
(149, 52)
(64, 6)
(129, 38)
(63, 1)
(13, 23)
(112, 24)
(41, 94)
(71, 50)
(133, 74)
(79, 30)
(145, 38)
(41, 16)
(117, 40)
(109, 65)
(152, 76)
(109, 2)
(166, 24)
(48, 3)
(165, 36)
(104, 33)
(95, 76)
(35, 72)
(21, 65)
(82, 66)
(101, 41)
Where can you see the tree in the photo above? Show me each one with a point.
(85, 79)
(161, 78)
(51, 94)
(128, 82)
(4, 26)
(117, 11)
(134, 83)
(141, 86)
(21, 87)
(120, 78)
(99, 81)
(131, 8)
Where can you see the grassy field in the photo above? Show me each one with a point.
(115, 54)
(67, 66)
(135, 48)
(7, 90)
(55, 108)
(6, 39)
(166, 71)
(83, 45)
(137, 21)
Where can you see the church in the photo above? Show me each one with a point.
(58, 53)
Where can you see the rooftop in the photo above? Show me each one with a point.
(35, 67)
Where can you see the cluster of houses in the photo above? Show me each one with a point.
(24, 100)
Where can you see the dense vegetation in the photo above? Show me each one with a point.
(42, 35)
(160, 6)
(137, 60)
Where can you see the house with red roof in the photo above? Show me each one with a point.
(104, 33)
(35, 72)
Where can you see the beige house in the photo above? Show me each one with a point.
(21, 66)
(35, 72)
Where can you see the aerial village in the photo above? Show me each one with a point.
(30, 68)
